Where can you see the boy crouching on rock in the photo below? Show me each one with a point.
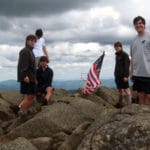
(44, 77)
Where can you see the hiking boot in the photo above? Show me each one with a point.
(118, 105)
(39, 98)
(44, 101)
(14, 108)
(23, 115)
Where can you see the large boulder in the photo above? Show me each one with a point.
(64, 115)
(128, 128)
(42, 143)
(5, 112)
(18, 144)
(11, 96)
(103, 96)
(109, 95)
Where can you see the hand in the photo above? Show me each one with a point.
(26, 79)
(131, 78)
(125, 79)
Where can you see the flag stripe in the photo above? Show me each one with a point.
(93, 76)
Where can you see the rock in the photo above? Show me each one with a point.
(11, 96)
(58, 94)
(5, 113)
(103, 96)
(18, 144)
(75, 138)
(62, 116)
(128, 128)
(109, 95)
(58, 139)
(42, 143)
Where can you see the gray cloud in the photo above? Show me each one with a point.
(41, 7)
(69, 26)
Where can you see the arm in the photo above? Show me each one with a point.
(126, 67)
(45, 52)
(131, 70)
(50, 79)
(24, 65)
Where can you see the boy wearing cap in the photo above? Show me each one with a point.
(44, 77)
(121, 74)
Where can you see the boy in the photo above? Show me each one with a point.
(140, 61)
(26, 76)
(44, 80)
(121, 74)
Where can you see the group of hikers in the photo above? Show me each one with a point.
(34, 74)
(138, 68)
(36, 77)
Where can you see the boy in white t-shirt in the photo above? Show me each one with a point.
(39, 47)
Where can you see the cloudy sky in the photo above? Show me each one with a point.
(76, 32)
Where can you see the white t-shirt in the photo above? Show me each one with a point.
(38, 47)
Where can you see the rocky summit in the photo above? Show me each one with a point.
(75, 122)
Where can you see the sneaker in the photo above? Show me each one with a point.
(23, 115)
(118, 105)
(14, 108)
(39, 98)
(44, 102)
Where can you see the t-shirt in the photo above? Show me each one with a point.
(140, 53)
(38, 47)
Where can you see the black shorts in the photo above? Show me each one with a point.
(41, 89)
(27, 88)
(141, 84)
(121, 84)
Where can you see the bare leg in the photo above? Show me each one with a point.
(120, 91)
(27, 102)
(128, 95)
(148, 99)
(48, 93)
(142, 98)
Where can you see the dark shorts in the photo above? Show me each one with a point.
(141, 84)
(121, 84)
(41, 88)
(27, 88)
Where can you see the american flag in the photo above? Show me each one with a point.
(93, 76)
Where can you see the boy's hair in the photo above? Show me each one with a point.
(118, 44)
(138, 18)
(39, 33)
(43, 58)
(30, 37)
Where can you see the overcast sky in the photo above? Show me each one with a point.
(76, 32)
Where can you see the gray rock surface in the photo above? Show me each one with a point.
(18, 144)
(125, 129)
(64, 115)
(42, 143)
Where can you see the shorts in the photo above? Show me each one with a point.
(141, 84)
(27, 88)
(121, 84)
(41, 89)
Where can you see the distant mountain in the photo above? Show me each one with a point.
(70, 85)
(9, 84)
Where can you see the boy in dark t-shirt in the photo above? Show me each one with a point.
(44, 77)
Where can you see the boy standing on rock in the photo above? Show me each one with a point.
(26, 72)
(121, 74)
(140, 61)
